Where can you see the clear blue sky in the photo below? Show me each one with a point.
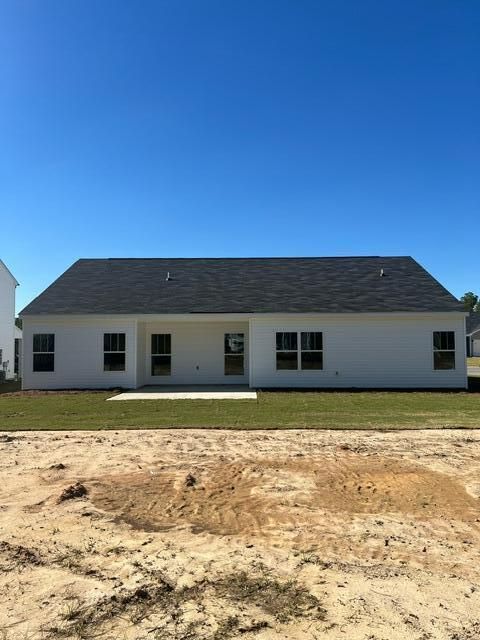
(239, 128)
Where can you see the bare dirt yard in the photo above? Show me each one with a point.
(211, 535)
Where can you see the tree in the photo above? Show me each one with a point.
(18, 322)
(470, 301)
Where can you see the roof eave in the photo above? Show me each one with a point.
(9, 273)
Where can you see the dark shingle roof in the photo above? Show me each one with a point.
(243, 285)
(473, 322)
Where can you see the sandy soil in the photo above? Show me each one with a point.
(213, 535)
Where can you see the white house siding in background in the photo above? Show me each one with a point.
(79, 353)
(7, 319)
(362, 350)
(475, 344)
(359, 350)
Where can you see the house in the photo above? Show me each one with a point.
(17, 353)
(473, 334)
(8, 285)
(263, 322)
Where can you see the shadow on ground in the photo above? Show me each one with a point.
(10, 386)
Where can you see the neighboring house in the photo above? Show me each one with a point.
(265, 322)
(7, 322)
(17, 357)
(473, 334)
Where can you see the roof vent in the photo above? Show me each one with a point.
(382, 273)
(169, 277)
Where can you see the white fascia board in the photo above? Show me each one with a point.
(9, 272)
(219, 317)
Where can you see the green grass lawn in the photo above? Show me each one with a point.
(473, 362)
(336, 410)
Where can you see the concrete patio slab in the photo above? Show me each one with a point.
(187, 392)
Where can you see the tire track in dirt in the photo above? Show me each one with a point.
(261, 497)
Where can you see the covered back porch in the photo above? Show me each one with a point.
(192, 351)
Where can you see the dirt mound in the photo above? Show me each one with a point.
(57, 467)
(16, 556)
(259, 497)
(77, 490)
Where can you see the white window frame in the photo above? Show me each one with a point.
(34, 353)
(235, 355)
(281, 371)
(167, 375)
(124, 351)
(454, 350)
(301, 350)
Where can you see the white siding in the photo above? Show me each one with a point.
(362, 350)
(7, 319)
(476, 347)
(197, 352)
(79, 353)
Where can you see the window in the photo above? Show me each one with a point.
(287, 351)
(161, 354)
(234, 347)
(312, 350)
(114, 352)
(43, 352)
(443, 350)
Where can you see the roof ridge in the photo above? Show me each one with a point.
(346, 257)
